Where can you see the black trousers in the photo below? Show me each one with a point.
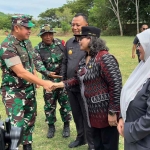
(138, 58)
(79, 115)
(138, 55)
(106, 138)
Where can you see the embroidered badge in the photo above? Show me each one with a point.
(47, 28)
(70, 52)
(19, 21)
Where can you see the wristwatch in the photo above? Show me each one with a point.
(111, 113)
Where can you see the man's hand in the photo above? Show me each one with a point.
(52, 75)
(133, 56)
(120, 127)
(57, 85)
(133, 50)
(48, 85)
(112, 120)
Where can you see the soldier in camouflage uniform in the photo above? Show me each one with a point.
(18, 79)
(47, 59)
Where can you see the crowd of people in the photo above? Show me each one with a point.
(84, 78)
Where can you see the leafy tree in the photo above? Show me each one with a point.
(144, 11)
(49, 16)
(115, 8)
(5, 21)
(80, 6)
(65, 26)
(135, 11)
(65, 18)
(99, 14)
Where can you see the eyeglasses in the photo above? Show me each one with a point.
(144, 28)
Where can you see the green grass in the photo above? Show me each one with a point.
(120, 47)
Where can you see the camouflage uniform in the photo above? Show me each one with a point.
(48, 58)
(18, 95)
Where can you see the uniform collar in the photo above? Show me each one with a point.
(22, 43)
(75, 39)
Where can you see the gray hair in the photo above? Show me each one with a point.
(96, 45)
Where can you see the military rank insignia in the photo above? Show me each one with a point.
(19, 21)
(90, 66)
(70, 52)
(47, 28)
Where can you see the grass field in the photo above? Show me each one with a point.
(120, 47)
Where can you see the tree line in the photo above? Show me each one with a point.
(112, 16)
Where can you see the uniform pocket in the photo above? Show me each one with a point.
(24, 57)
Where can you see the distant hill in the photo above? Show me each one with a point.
(3, 15)
(5, 21)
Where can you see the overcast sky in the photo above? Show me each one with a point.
(30, 7)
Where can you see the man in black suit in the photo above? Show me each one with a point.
(72, 56)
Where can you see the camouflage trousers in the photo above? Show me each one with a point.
(50, 99)
(22, 113)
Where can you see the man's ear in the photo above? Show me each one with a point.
(16, 28)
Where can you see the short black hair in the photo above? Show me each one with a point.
(83, 15)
